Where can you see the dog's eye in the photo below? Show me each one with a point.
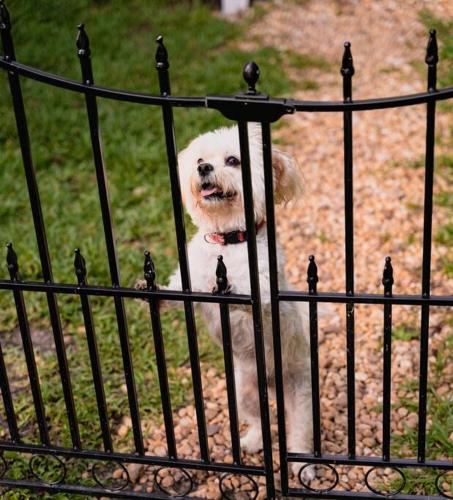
(232, 161)
(200, 160)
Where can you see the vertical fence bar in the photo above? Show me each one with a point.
(150, 277)
(347, 70)
(431, 60)
(312, 280)
(275, 305)
(7, 400)
(387, 281)
(81, 272)
(84, 53)
(33, 194)
(162, 66)
(256, 304)
(223, 288)
(13, 268)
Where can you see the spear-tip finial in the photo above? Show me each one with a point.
(80, 266)
(83, 42)
(387, 276)
(11, 260)
(347, 64)
(432, 53)
(222, 280)
(161, 54)
(312, 274)
(149, 271)
(5, 21)
(251, 73)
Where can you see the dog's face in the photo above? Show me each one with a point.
(211, 179)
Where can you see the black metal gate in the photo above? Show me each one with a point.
(250, 106)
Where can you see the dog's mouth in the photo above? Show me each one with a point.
(211, 191)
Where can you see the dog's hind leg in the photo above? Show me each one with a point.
(299, 424)
(249, 405)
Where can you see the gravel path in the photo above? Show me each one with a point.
(386, 37)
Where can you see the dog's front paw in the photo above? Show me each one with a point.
(218, 290)
(252, 442)
(308, 474)
(141, 285)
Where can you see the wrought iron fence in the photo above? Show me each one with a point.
(249, 106)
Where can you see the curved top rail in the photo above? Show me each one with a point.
(287, 105)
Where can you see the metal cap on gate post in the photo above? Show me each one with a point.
(251, 73)
(347, 70)
(431, 59)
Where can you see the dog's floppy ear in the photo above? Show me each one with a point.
(287, 177)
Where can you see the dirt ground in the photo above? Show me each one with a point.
(387, 37)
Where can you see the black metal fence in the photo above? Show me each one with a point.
(250, 106)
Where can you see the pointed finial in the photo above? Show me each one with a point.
(5, 20)
(80, 267)
(13, 265)
(161, 54)
(431, 59)
(149, 271)
(251, 73)
(83, 42)
(432, 54)
(387, 277)
(222, 280)
(347, 70)
(312, 274)
(347, 64)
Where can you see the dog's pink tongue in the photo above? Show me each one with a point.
(207, 192)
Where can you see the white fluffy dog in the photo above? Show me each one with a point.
(211, 183)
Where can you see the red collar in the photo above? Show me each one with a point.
(230, 238)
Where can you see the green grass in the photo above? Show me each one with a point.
(440, 413)
(204, 59)
(444, 235)
(405, 332)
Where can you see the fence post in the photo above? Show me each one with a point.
(27, 343)
(162, 66)
(347, 70)
(387, 281)
(431, 60)
(149, 273)
(81, 273)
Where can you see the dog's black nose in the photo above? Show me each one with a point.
(204, 169)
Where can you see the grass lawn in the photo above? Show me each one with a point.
(204, 59)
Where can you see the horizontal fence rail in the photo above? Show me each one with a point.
(242, 108)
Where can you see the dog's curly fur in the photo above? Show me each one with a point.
(214, 199)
